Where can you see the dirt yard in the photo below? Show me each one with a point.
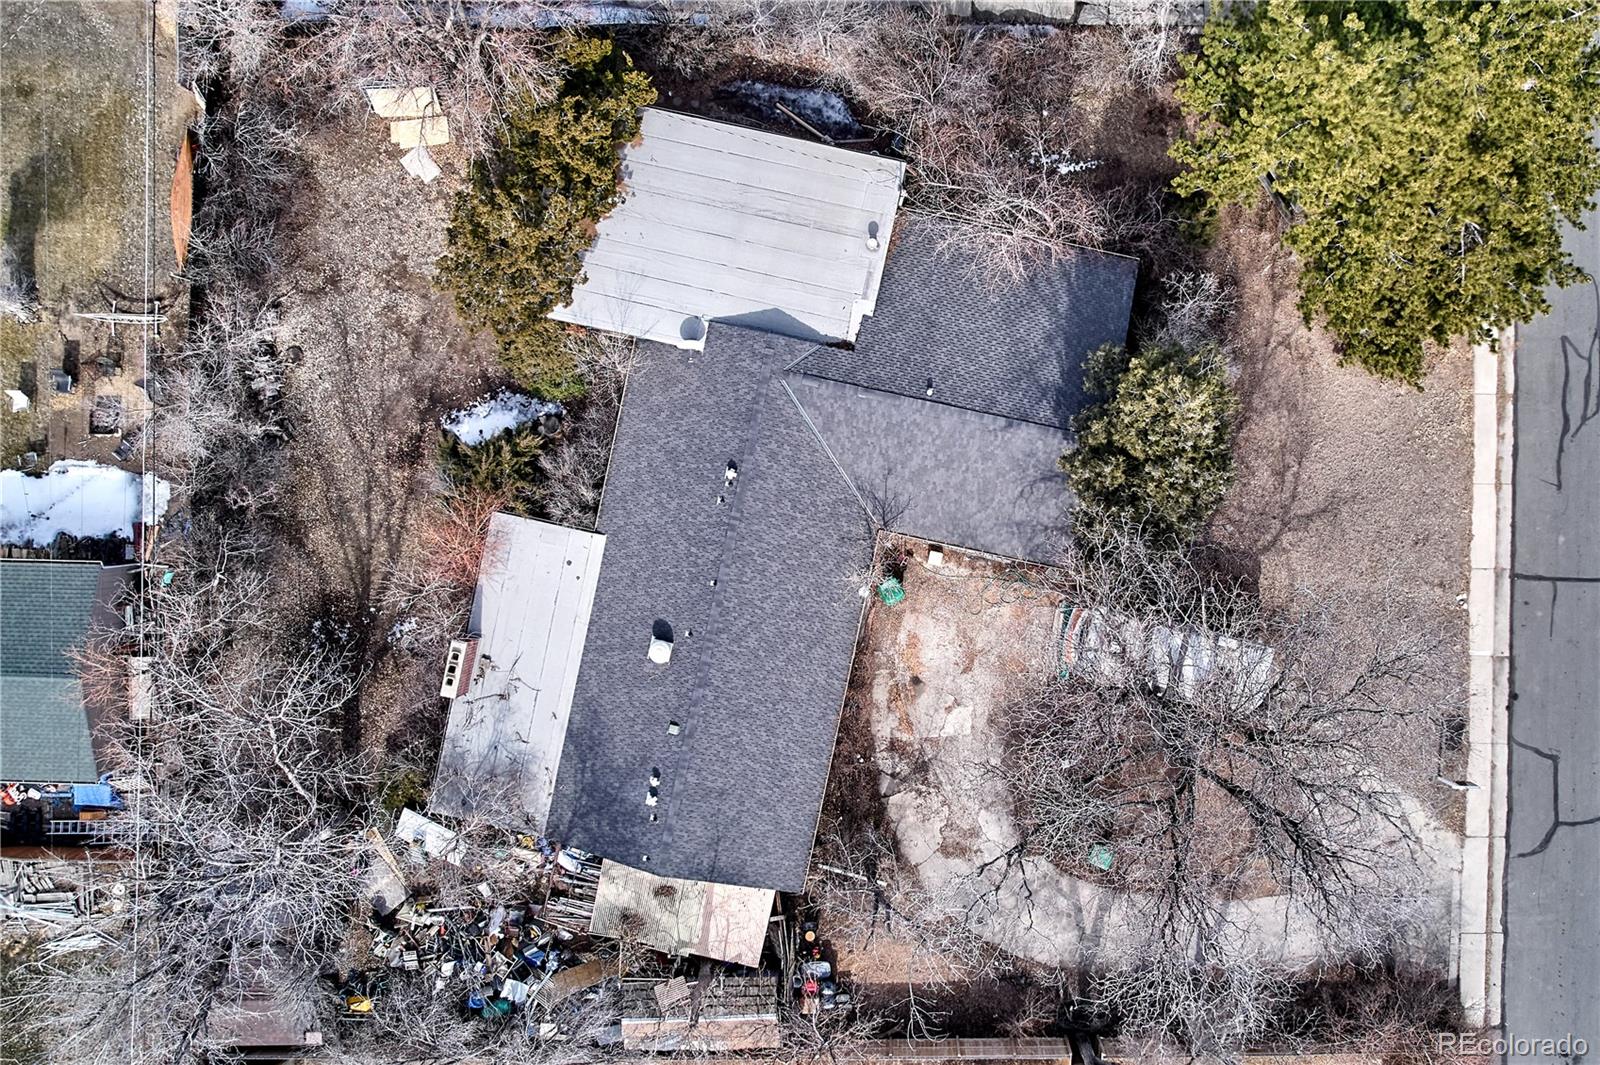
(1347, 485)
(932, 676)
(383, 356)
(1344, 479)
(73, 95)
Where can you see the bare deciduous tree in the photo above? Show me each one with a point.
(1193, 308)
(479, 60)
(575, 467)
(245, 858)
(16, 292)
(1213, 772)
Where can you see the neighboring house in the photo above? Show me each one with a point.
(46, 609)
(750, 474)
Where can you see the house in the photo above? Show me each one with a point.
(752, 468)
(47, 608)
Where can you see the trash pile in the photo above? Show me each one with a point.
(56, 895)
(496, 955)
(813, 982)
(37, 814)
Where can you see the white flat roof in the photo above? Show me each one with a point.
(502, 745)
(722, 222)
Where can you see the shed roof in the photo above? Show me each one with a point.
(47, 608)
(718, 222)
(721, 921)
(504, 738)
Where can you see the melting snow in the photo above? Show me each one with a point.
(80, 498)
(825, 110)
(490, 417)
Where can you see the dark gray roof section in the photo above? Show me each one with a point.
(762, 616)
(46, 609)
(751, 579)
(940, 473)
(1012, 348)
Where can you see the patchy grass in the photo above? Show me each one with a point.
(73, 90)
(72, 158)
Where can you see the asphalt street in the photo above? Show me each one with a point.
(1552, 883)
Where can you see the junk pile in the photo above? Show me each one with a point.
(72, 814)
(496, 956)
(54, 896)
(813, 979)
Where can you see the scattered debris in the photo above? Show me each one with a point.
(416, 122)
(432, 838)
(419, 163)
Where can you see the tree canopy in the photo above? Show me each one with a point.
(1427, 152)
(1155, 449)
(519, 229)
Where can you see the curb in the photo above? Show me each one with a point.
(1480, 942)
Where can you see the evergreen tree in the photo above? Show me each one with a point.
(1428, 152)
(1154, 450)
(517, 232)
(507, 464)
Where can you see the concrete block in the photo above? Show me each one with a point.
(1485, 526)
(1474, 960)
(1473, 904)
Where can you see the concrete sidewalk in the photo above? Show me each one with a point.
(1480, 941)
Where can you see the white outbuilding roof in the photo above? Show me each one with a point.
(718, 222)
(503, 743)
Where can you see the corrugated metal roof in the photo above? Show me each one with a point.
(722, 223)
(503, 743)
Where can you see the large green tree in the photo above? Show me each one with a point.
(1427, 152)
(519, 229)
(1154, 449)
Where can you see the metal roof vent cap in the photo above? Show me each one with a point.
(660, 642)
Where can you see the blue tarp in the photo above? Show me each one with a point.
(94, 795)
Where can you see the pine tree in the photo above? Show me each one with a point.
(503, 465)
(1154, 449)
(518, 231)
(1428, 153)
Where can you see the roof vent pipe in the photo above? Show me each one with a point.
(660, 650)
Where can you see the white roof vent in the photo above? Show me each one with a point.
(660, 650)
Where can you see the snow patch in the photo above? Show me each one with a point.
(825, 110)
(83, 499)
(490, 417)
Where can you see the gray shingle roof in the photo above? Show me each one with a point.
(940, 473)
(1013, 348)
(46, 608)
(762, 618)
(751, 579)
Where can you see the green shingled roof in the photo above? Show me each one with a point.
(45, 609)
